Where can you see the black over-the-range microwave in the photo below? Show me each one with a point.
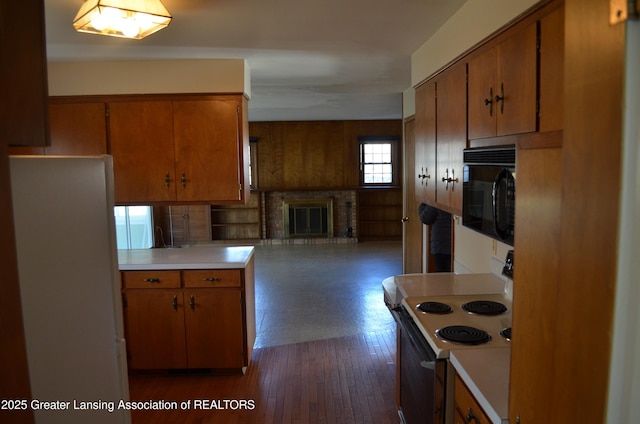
(489, 191)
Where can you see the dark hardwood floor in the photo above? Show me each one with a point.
(349, 379)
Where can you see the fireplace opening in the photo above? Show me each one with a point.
(307, 218)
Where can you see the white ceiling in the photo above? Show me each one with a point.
(309, 59)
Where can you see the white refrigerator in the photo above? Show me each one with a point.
(70, 287)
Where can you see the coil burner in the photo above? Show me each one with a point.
(463, 334)
(484, 307)
(434, 308)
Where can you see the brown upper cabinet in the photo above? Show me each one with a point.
(187, 150)
(141, 136)
(425, 143)
(441, 136)
(77, 129)
(209, 149)
(503, 86)
(451, 136)
(23, 74)
(552, 71)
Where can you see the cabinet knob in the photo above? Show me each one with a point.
(405, 219)
(152, 280)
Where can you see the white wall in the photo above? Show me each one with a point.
(477, 253)
(474, 21)
(408, 102)
(149, 76)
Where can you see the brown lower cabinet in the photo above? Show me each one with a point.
(467, 409)
(185, 319)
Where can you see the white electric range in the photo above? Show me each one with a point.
(430, 307)
(447, 325)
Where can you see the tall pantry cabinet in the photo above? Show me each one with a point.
(440, 138)
(425, 142)
(451, 138)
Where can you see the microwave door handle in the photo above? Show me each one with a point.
(502, 175)
(494, 200)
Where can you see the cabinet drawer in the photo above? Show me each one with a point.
(151, 279)
(466, 405)
(211, 278)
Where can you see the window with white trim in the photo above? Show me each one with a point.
(378, 160)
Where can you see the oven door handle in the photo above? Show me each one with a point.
(430, 365)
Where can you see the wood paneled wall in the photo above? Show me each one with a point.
(305, 155)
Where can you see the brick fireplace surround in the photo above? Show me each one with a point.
(272, 222)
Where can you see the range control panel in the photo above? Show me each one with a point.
(507, 270)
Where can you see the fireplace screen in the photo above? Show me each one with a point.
(308, 218)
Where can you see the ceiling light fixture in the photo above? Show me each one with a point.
(122, 18)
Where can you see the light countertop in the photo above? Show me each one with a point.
(440, 284)
(203, 257)
(486, 374)
(448, 283)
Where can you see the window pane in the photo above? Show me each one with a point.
(377, 163)
(134, 227)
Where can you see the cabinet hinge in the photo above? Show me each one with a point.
(622, 10)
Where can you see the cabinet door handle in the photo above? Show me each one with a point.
(405, 219)
(192, 303)
(450, 179)
(212, 279)
(167, 180)
(183, 180)
(152, 280)
(489, 101)
(424, 175)
(175, 303)
(471, 416)
(500, 98)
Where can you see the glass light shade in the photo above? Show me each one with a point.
(122, 18)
